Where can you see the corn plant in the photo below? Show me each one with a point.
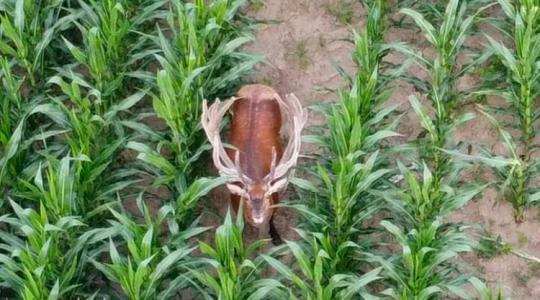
(11, 132)
(423, 269)
(515, 173)
(233, 267)
(19, 133)
(357, 127)
(484, 292)
(149, 255)
(444, 73)
(337, 213)
(310, 280)
(432, 10)
(417, 207)
(94, 97)
(337, 206)
(519, 88)
(38, 266)
(96, 134)
(147, 265)
(28, 29)
(111, 50)
(44, 252)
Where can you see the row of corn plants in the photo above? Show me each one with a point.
(513, 77)
(48, 225)
(424, 267)
(337, 199)
(27, 34)
(76, 76)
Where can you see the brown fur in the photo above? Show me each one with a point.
(255, 131)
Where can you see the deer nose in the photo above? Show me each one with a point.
(257, 212)
(258, 219)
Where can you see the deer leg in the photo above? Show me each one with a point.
(235, 203)
(276, 239)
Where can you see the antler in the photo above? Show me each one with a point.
(211, 120)
(278, 177)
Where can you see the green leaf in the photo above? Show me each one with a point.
(19, 15)
(164, 266)
(425, 120)
(55, 291)
(425, 26)
(124, 105)
(152, 157)
(11, 147)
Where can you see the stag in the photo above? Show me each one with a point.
(257, 166)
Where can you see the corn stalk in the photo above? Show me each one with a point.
(424, 269)
(519, 88)
(150, 268)
(233, 267)
(338, 204)
(44, 253)
(29, 31)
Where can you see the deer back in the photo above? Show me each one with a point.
(255, 130)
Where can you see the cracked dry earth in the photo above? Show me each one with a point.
(302, 40)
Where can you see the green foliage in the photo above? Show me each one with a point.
(312, 280)
(484, 292)
(518, 86)
(339, 203)
(28, 34)
(29, 30)
(491, 247)
(142, 272)
(356, 128)
(96, 134)
(441, 87)
(423, 269)
(515, 172)
(74, 80)
(44, 252)
(421, 203)
(234, 267)
(44, 262)
(109, 48)
(342, 10)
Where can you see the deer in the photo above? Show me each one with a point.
(257, 166)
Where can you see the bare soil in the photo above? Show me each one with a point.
(301, 41)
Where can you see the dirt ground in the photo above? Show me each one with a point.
(301, 41)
